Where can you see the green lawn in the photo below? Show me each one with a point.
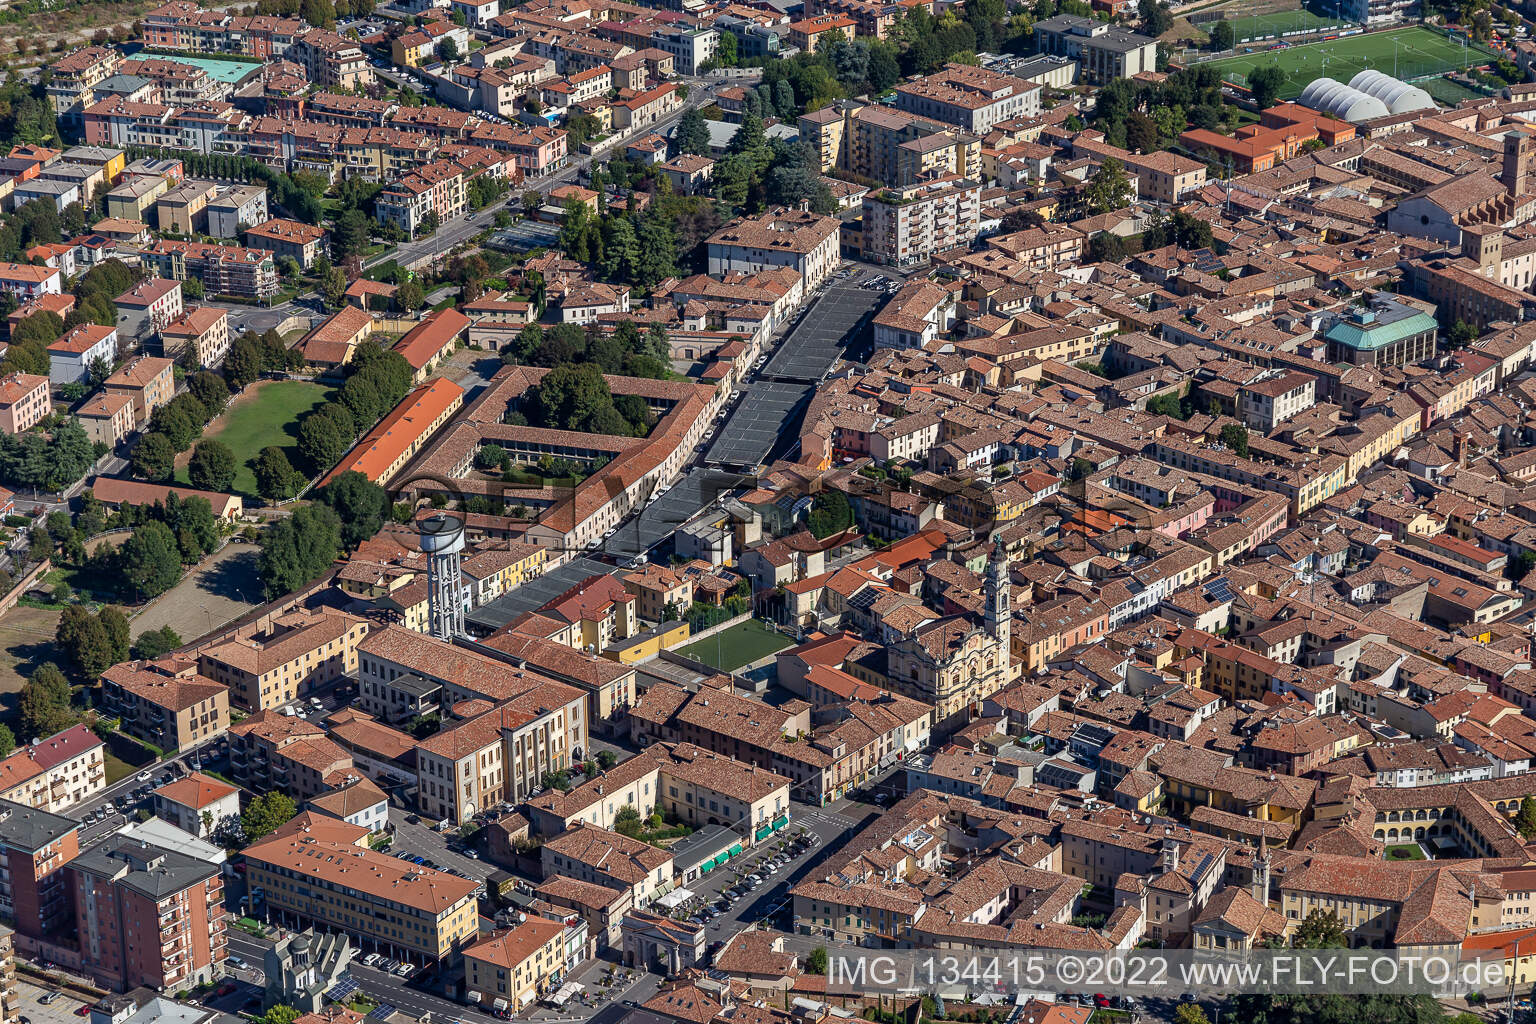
(1406, 53)
(1405, 851)
(739, 645)
(116, 768)
(254, 421)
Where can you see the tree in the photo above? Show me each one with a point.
(7, 740)
(1265, 82)
(150, 559)
(212, 467)
(1460, 334)
(45, 703)
(1109, 189)
(1156, 18)
(1235, 437)
(84, 640)
(830, 512)
(607, 759)
(362, 506)
(210, 390)
(816, 962)
(192, 288)
(333, 283)
(118, 632)
(156, 643)
(325, 435)
(627, 822)
(154, 459)
(410, 297)
(263, 816)
(1190, 1013)
(244, 362)
(1320, 930)
(298, 549)
(448, 50)
(1223, 37)
(276, 479)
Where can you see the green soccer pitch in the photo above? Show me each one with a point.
(1406, 53)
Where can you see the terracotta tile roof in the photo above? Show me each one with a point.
(195, 791)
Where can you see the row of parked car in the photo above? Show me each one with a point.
(425, 862)
(399, 968)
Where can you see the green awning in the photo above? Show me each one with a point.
(780, 822)
(707, 866)
(764, 831)
(734, 850)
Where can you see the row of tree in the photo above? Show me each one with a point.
(624, 351)
(295, 550)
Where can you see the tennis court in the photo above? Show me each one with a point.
(1406, 53)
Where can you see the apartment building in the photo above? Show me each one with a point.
(107, 418)
(437, 188)
(807, 33)
(74, 77)
(297, 241)
(149, 305)
(56, 773)
(1265, 404)
(148, 916)
(1103, 52)
(34, 847)
(10, 997)
(970, 98)
(166, 703)
(274, 751)
(199, 337)
(237, 209)
(181, 208)
(590, 854)
(197, 804)
(271, 663)
(312, 875)
(887, 144)
(824, 758)
(534, 724)
(907, 225)
(803, 241)
(83, 346)
(25, 401)
(223, 269)
(508, 971)
(148, 381)
(684, 782)
(331, 61)
(28, 282)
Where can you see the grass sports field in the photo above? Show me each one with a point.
(1406, 53)
(267, 413)
(1277, 24)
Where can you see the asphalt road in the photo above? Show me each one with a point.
(459, 230)
(91, 834)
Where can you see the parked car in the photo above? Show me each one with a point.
(47, 998)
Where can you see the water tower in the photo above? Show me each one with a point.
(442, 541)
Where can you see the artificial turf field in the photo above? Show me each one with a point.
(1405, 53)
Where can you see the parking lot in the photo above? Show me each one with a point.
(63, 1008)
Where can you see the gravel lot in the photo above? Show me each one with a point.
(224, 586)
